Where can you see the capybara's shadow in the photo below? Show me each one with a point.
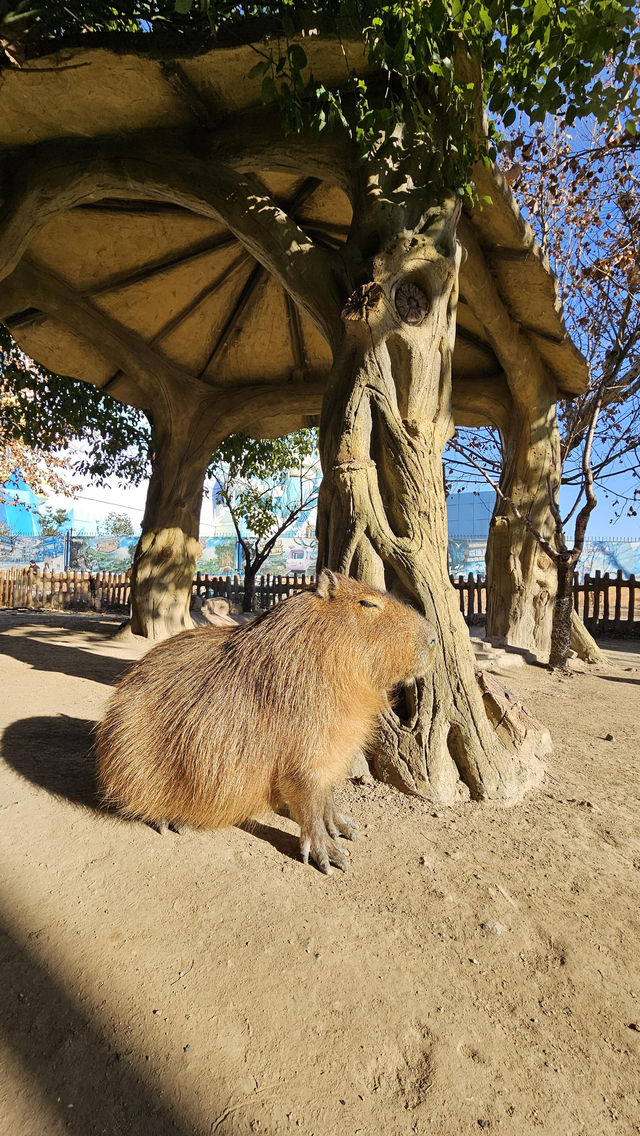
(55, 753)
(283, 841)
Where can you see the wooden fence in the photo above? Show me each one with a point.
(67, 591)
(608, 605)
(472, 593)
(269, 590)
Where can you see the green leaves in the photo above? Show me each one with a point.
(260, 69)
(46, 412)
(297, 57)
(538, 57)
(541, 11)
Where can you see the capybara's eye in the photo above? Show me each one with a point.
(369, 603)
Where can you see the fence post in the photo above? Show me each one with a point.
(470, 596)
(596, 599)
(586, 583)
(606, 580)
(632, 588)
(618, 598)
(460, 588)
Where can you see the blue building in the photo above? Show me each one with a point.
(19, 507)
(468, 518)
(469, 514)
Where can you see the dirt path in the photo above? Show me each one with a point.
(477, 970)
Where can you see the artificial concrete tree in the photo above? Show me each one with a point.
(522, 580)
(199, 264)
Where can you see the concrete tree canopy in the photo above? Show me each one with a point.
(161, 238)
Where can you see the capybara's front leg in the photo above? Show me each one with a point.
(336, 823)
(306, 800)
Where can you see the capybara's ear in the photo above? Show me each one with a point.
(327, 584)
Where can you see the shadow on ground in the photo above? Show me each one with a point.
(283, 841)
(55, 753)
(43, 656)
(84, 1082)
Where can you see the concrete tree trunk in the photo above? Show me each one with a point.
(521, 579)
(165, 558)
(382, 512)
(524, 585)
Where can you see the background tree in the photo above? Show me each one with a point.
(43, 414)
(8, 538)
(266, 486)
(116, 524)
(41, 471)
(53, 521)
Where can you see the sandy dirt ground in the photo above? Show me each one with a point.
(477, 970)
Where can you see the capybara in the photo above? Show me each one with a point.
(215, 726)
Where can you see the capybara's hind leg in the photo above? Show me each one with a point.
(338, 824)
(306, 802)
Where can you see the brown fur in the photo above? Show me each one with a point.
(215, 726)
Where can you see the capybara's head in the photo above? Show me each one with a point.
(385, 639)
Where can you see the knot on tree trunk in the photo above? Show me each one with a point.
(363, 300)
(352, 466)
(412, 305)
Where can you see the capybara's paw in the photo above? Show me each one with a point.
(163, 827)
(339, 824)
(324, 852)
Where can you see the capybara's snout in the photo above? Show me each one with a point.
(427, 645)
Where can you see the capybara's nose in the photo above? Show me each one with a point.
(430, 643)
